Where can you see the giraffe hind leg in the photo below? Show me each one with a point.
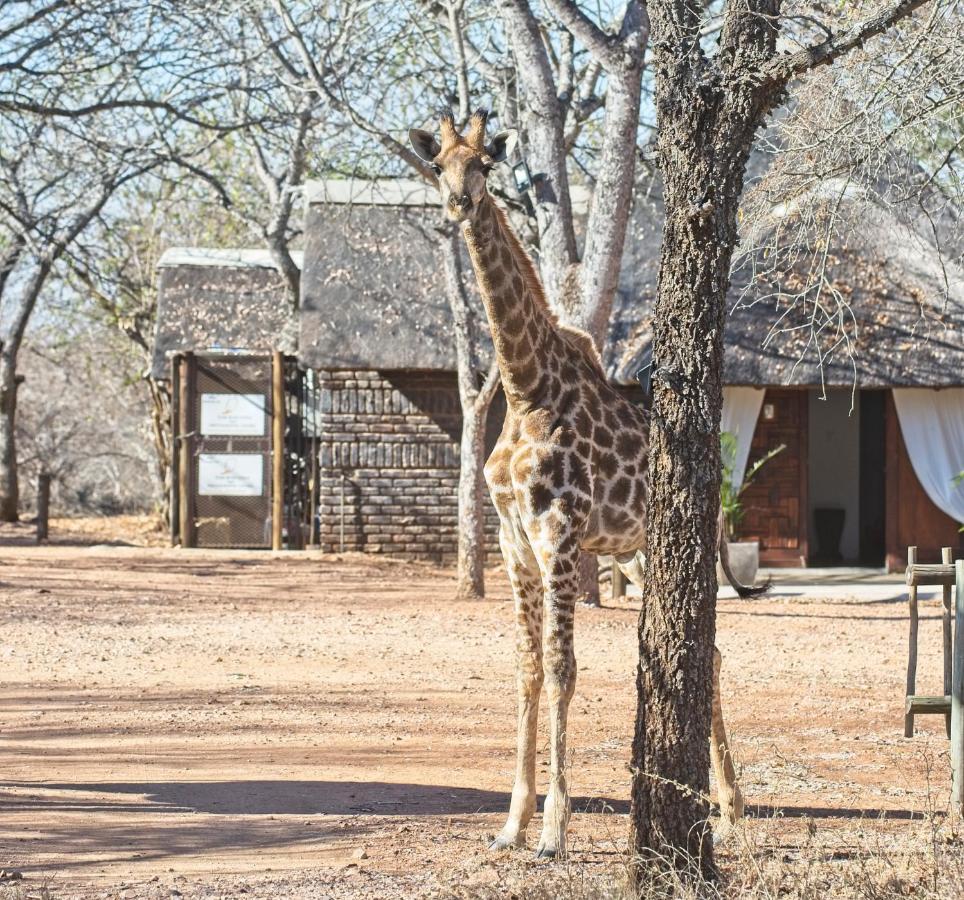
(730, 796)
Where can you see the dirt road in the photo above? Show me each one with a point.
(217, 724)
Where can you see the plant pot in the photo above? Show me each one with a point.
(744, 562)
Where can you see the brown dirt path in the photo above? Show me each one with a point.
(227, 724)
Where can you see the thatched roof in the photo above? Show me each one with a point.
(372, 294)
(874, 298)
(220, 300)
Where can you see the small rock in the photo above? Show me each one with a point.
(359, 854)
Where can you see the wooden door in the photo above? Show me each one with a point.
(775, 505)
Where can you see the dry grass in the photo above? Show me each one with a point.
(925, 862)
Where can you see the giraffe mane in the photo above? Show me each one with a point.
(579, 340)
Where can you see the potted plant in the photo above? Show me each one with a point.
(744, 555)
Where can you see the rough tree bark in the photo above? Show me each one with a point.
(708, 110)
(160, 396)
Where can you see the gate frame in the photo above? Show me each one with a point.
(289, 382)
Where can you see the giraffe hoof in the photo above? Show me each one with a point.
(547, 853)
(503, 843)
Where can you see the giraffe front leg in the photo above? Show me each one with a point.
(560, 582)
(527, 590)
(730, 797)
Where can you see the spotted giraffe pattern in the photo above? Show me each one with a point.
(568, 473)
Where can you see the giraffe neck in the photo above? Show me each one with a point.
(523, 327)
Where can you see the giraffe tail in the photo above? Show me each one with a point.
(742, 590)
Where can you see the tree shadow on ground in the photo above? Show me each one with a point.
(274, 798)
(337, 798)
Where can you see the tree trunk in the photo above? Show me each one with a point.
(612, 202)
(475, 402)
(677, 626)
(161, 433)
(471, 529)
(544, 150)
(9, 486)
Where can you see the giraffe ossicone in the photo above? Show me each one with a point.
(568, 473)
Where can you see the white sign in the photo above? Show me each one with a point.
(230, 474)
(232, 414)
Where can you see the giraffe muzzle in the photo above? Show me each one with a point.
(460, 204)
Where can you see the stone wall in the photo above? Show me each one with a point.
(390, 463)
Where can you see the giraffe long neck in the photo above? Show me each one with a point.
(523, 327)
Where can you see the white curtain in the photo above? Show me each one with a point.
(932, 423)
(741, 408)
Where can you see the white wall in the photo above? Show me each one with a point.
(834, 464)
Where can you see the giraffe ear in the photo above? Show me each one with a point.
(500, 148)
(424, 144)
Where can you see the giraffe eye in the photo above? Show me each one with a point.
(487, 167)
(436, 168)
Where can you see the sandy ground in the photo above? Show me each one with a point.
(190, 723)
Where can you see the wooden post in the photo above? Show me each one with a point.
(277, 449)
(619, 581)
(313, 537)
(174, 511)
(185, 505)
(947, 557)
(43, 506)
(957, 698)
(912, 648)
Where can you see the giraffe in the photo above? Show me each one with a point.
(568, 473)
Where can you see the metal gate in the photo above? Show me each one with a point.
(229, 484)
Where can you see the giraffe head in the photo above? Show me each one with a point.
(462, 163)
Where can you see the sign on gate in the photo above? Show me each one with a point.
(233, 414)
(231, 474)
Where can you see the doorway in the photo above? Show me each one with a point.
(846, 497)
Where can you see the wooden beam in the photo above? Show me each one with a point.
(313, 524)
(930, 575)
(173, 512)
(892, 547)
(957, 698)
(43, 506)
(277, 449)
(911, 645)
(185, 502)
(803, 514)
(921, 705)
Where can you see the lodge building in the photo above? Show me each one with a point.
(869, 437)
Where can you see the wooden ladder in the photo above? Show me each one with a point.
(951, 703)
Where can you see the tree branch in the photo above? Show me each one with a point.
(784, 68)
(604, 47)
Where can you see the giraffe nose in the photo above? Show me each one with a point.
(462, 202)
